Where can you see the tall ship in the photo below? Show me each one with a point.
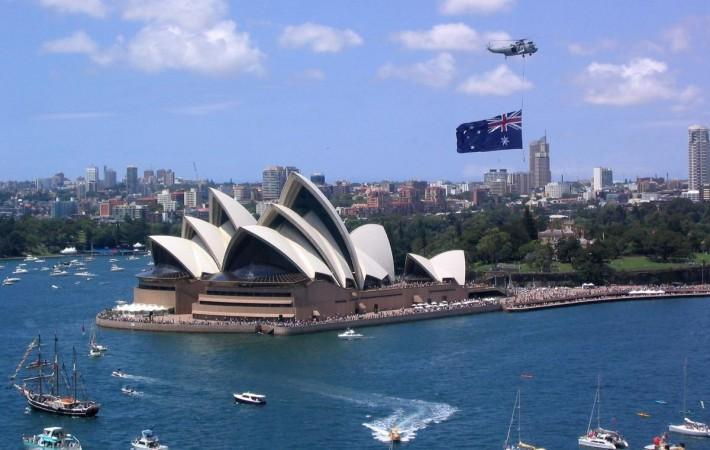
(48, 386)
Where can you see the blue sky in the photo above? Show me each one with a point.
(359, 90)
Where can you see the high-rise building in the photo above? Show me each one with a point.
(539, 159)
(169, 178)
(318, 179)
(273, 180)
(92, 179)
(519, 182)
(698, 157)
(148, 176)
(166, 201)
(131, 179)
(109, 178)
(60, 209)
(190, 198)
(496, 181)
(602, 178)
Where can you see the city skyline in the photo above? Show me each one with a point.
(349, 96)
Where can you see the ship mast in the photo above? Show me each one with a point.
(74, 369)
(55, 388)
(39, 362)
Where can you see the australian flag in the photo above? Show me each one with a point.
(502, 132)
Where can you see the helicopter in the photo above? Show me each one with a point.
(521, 47)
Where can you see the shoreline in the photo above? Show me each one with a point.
(608, 299)
(291, 330)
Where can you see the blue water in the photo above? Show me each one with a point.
(446, 383)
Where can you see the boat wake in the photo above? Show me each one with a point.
(409, 417)
(142, 379)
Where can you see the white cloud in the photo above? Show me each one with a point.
(95, 8)
(205, 108)
(582, 49)
(436, 72)
(499, 81)
(678, 38)
(193, 14)
(193, 35)
(79, 42)
(450, 36)
(641, 80)
(453, 7)
(320, 38)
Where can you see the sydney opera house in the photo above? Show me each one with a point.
(298, 261)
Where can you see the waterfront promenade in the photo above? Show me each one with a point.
(186, 324)
(520, 300)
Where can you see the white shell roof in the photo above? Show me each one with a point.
(370, 267)
(238, 214)
(215, 239)
(288, 195)
(332, 257)
(372, 240)
(451, 264)
(192, 256)
(306, 262)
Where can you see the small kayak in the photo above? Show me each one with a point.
(643, 414)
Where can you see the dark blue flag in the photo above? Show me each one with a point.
(502, 132)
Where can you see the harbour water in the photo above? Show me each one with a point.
(447, 383)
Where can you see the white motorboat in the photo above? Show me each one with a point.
(689, 427)
(94, 353)
(85, 273)
(18, 270)
(119, 374)
(350, 335)
(112, 260)
(128, 390)
(116, 268)
(51, 437)
(30, 258)
(250, 398)
(148, 440)
(9, 281)
(57, 272)
(599, 437)
(132, 258)
(661, 443)
(68, 251)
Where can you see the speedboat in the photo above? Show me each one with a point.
(129, 390)
(116, 268)
(250, 398)
(51, 437)
(690, 428)
(350, 334)
(119, 374)
(661, 443)
(394, 435)
(148, 440)
(8, 281)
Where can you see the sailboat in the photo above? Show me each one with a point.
(520, 445)
(600, 437)
(42, 390)
(689, 427)
(95, 346)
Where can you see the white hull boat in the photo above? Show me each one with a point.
(691, 428)
(147, 441)
(350, 335)
(250, 398)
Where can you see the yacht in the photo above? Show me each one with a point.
(116, 268)
(350, 334)
(132, 258)
(9, 281)
(599, 437)
(51, 437)
(148, 440)
(250, 398)
(68, 251)
(520, 445)
(112, 260)
(689, 427)
(94, 353)
(19, 270)
(85, 273)
(58, 272)
(30, 258)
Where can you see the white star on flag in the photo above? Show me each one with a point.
(504, 140)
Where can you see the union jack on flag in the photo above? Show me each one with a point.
(503, 132)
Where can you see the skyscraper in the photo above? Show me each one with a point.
(540, 163)
(109, 178)
(92, 178)
(273, 180)
(131, 179)
(601, 178)
(698, 157)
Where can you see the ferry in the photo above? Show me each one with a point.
(250, 398)
(51, 437)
